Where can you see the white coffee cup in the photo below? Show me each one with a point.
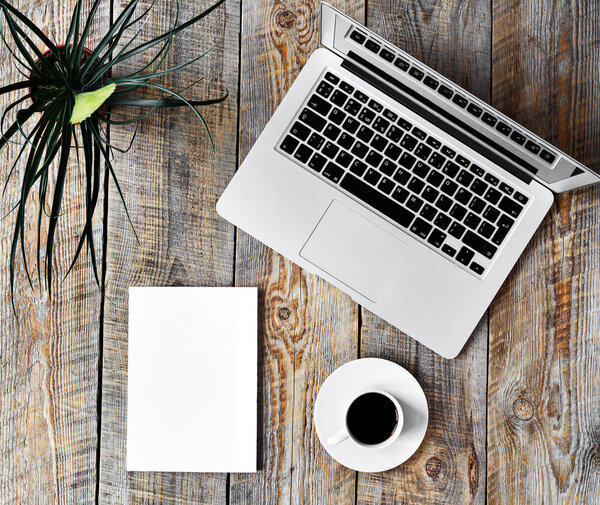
(369, 419)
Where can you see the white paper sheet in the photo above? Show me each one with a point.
(192, 379)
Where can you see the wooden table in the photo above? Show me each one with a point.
(515, 419)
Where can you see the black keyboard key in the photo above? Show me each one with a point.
(360, 149)
(316, 141)
(321, 106)
(472, 220)
(486, 230)
(421, 228)
(477, 170)
(344, 159)
(339, 97)
(337, 116)
(352, 106)
(437, 160)
(445, 91)
(324, 89)
(381, 124)
(358, 167)
(408, 142)
(373, 46)
(474, 109)
(521, 198)
(333, 172)
(387, 55)
(312, 119)
(444, 203)
(460, 100)
(402, 176)
(365, 133)
(489, 119)
(375, 105)
(416, 73)
(503, 128)
(416, 185)
(430, 82)
(420, 134)
(461, 160)
(414, 203)
(289, 144)
(479, 244)
(360, 96)
(442, 221)
(317, 162)
(504, 225)
(547, 156)
(532, 146)
(446, 151)
(512, 208)
(372, 176)
(366, 115)
(299, 130)
(430, 194)
(435, 178)
(450, 251)
(456, 230)
(407, 160)
(451, 169)
(477, 205)
(422, 151)
(303, 153)
(477, 268)
(478, 187)
(346, 140)
(393, 151)
(492, 195)
(400, 194)
(348, 88)
(463, 196)
(518, 137)
(436, 144)
(402, 64)
(388, 114)
(465, 178)
(436, 238)
(386, 185)
(378, 201)
(331, 132)
(394, 134)
(332, 78)
(404, 124)
(388, 168)
(505, 188)
(330, 149)
(373, 158)
(493, 180)
(356, 36)
(458, 212)
(465, 255)
(491, 213)
(379, 143)
(421, 170)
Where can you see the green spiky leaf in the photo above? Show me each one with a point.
(89, 102)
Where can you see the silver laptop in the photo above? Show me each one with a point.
(396, 185)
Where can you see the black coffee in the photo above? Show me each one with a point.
(372, 418)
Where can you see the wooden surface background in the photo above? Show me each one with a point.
(515, 419)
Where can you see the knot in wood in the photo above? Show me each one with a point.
(596, 455)
(286, 19)
(523, 409)
(433, 467)
(284, 313)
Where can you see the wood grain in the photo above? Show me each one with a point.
(307, 327)
(543, 438)
(49, 355)
(171, 180)
(450, 466)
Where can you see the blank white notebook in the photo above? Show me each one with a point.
(192, 379)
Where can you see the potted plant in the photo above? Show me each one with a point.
(64, 103)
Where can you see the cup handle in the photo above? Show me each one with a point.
(338, 437)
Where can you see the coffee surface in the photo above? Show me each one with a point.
(372, 418)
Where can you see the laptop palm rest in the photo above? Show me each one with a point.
(353, 250)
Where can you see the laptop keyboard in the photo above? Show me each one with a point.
(457, 208)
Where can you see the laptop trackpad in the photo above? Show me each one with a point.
(354, 250)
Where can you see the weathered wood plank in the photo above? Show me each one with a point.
(49, 356)
(543, 381)
(307, 327)
(453, 38)
(171, 180)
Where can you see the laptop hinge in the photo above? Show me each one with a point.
(391, 86)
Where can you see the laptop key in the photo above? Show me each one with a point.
(358, 167)
(331, 132)
(465, 255)
(489, 119)
(474, 109)
(472, 220)
(477, 268)
(289, 144)
(430, 82)
(422, 151)
(492, 195)
(491, 214)
(478, 187)
(393, 151)
(366, 116)
(339, 98)
(330, 150)
(451, 169)
(316, 141)
(333, 172)
(416, 185)
(437, 160)
(436, 239)
(511, 207)
(463, 196)
(445, 91)
(456, 229)
(547, 156)
(421, 228)
(337, 116)
(420, 134)
(387, 55)
(360, 149)
(446, 151)
(458, 212)
(332, 78)
(479, 244)
(348, 88)
(303, 153)
(404, 124)
(388, 168)
(375, 105)
(518, 137)
(344, 159)
(400, 194)
(442, 221)
(352, 107)
(381, 124)
(386, 185)
(493, 180)
(312, 119)
(394, 134)
(532, 146)
(365, 133)
(357, 37)
(486, 230)
(402, 176)
(299, 130)
(436, 144)
(503, 128)
(392, 116)
(408, 142)
(359, 95)
(460, 100)
(317, 103)
(477, 170)
(450, 251)
(435, 178)
(373, 46)
(407, 160)
(444, 203)
(505, 188)
(504, 225)
(477, 205)
(414, 203)
(379, 143)
(449, 187)
(430, 194)
(421, 169)
(465, 178)
(402, 64)
(346, 140)
(372, 176)
(416, 73)
(461, 160)
(374, 158)
(378, 201)
(317, 162)
(521, 198)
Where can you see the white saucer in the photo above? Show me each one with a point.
(350, 380)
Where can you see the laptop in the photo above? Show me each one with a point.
(396, 185)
